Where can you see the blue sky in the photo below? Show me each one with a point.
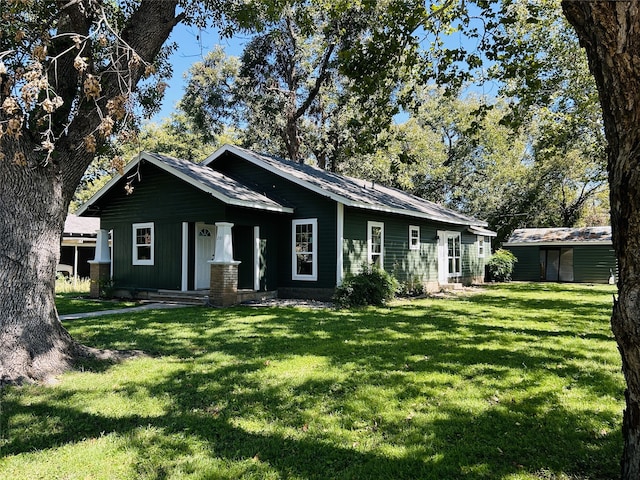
(193, 46)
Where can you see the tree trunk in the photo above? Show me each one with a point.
(610, 33)
(34, 344)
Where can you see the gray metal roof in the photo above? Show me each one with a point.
(350, 191)
(75, 226)
(204, 178)
(560, 236)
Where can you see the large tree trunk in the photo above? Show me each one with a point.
(35, 191)
(32, 213)
(610, 33)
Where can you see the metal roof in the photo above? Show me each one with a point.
(215, 183)
(349, 191)
(75, 226)
(560, 236)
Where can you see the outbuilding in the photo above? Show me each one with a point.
(581, 255)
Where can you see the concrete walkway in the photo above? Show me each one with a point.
(148, 306)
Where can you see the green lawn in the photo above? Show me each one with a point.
(520, 381)
(74, 302)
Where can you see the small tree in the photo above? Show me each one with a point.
(501, 265)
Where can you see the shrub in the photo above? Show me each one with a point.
(413, 287)
(372, 286)
(501, 265)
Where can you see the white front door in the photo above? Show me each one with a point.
(449, 256)
(205, 247)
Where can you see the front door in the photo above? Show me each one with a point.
(205, 248)
(449, 256)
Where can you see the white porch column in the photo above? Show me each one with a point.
(223, 289)
(100, 266)
(224, 245)
(102, 247)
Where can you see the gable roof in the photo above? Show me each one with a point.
(214, 183)
(352, 192)
(560, 236)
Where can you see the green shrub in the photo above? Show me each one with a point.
(501, 265)
(372, 286)
(412, 287)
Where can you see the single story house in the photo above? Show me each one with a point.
(287, 228)
(78, 245)
(581, 255)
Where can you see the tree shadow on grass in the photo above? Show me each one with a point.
(255, 424)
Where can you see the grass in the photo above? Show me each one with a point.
(74, 302)
(72, 297)
(519, 381)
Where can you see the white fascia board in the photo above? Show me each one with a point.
(96, 196)
(215, 193)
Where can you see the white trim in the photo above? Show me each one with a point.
(370, 254)
(414, 228)
(134, 251)
(256, 258)
(184, 285)
(111, 254)
(314, 251)
(339, 243)
(455, 236)
(481, 239)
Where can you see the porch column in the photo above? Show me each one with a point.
(223, 289)
(100, 266)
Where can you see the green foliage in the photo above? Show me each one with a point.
(372, 286)
(427, 389)
(501, 265)
(412, 287)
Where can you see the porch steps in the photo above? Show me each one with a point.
(193, 297)
(201, 297)
(451, 286)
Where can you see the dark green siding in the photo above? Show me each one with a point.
(527, 269)
(167, 202)
(307, 205)
(404, 263)
(594, 264)
(591, 263)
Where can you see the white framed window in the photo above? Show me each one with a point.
(375, 243)
(481, 246)
(304, 259)
(414, 237)
(143, 243)
(454, 254)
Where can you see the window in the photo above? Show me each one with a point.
(375, 243)
(143, 244)
(414, 237)
(305, 255)
(481, 246)
(453, 255)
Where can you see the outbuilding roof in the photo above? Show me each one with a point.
(352, 192)
(560, 236)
